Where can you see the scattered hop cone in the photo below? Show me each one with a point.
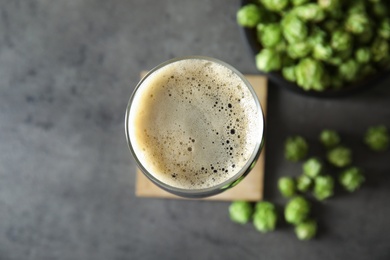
(329, 138)
(312, 167)
(265, 217)
(351, 179)
(306, 230)
(286, 186)
(340, 156)
(296, 148)
(323, 187)
(240, 211)
(303, 183)
(297, 210)
(377, 138)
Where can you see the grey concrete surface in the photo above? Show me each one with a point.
(67, 69)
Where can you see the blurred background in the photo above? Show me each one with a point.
(67, 179)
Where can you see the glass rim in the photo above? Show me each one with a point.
(213, 190)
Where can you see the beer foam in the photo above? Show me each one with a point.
(194, 124)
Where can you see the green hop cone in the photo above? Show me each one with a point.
(275, 5)
(240, 211)
(341, 40)
(311, 74)
(322, 52)
(349, 70)
(380, 49)
(317, 36)
(268, 60)
(299, 2)
(269, 35)
(377, 138)
(329, 4)
(295, 148)
(265, 217)
(312, 167)
(249, 15)
(329, 138)
(303, 183)
(340, 156)
(306, 230)
(299, 49)
(309, 12)
(357, 23)
(323, 187)
(297, 210)
(384, 29)
(351, 179)
(286, 186)
(289, 73)
(294, 29)
(363, 55)
(281, 48)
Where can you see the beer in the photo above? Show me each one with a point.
(194, 123)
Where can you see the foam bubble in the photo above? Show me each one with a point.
(193, 124)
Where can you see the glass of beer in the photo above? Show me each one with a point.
(194, 126)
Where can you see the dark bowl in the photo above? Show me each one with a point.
(250, 37)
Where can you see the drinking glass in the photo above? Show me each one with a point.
(220, 187)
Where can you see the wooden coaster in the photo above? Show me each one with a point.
(249, 189)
